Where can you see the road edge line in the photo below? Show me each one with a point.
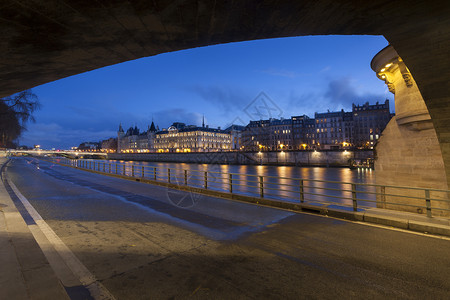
(96, 289)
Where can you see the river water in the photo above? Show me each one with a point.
(330, 185)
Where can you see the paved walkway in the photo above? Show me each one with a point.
(25, 271)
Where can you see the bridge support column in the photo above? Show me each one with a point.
(408, 152)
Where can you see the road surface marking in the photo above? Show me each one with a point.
(87, 279)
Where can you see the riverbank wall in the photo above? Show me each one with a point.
(324, 158)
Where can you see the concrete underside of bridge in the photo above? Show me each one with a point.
(43, 41)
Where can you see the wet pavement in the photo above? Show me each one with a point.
(150, 242)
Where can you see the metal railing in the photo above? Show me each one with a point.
(346, 195)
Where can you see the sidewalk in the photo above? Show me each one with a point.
(25, 271)
(398, 219)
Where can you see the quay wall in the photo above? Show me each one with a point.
(325, 158)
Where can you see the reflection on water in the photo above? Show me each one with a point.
(279, 182)
(317, 173)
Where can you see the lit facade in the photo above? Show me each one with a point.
(191, 139)
(360, 128)
(235, 132)
(302, 135)
(369, 121)
(109, 145)
(177, 138)
(135, 141)
(265, 135)
(333, 129)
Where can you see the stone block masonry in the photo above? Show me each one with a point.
(325, 158)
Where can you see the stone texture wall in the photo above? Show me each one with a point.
(408, 152)
(410, 158)
(299, 158)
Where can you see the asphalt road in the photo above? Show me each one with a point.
(148, 242)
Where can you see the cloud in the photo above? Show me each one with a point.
(225, 98)
(339, 94)
(342, 91)
(52, 135)
(165, 118)
(85, 124)
(307, 103)
(325, 69)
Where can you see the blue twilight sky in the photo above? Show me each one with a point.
(229, 83)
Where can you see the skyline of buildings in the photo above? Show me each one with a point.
(360, 128)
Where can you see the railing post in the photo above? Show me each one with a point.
(231, 182)
(168, 175)
(116, 169)
(383, 196)
(143, 172)
(109, 167)
(428, 203)
(124, 170)
(302, 194)
(185, 177)
(104, 167)
(261, 186)
(90, 165)
(132, 170)
(355, 203)
(206, 180)
(154, 173)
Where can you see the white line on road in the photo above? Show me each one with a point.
(96, 289)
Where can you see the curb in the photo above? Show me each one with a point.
(27, 269)
(388, 221)
(427, 228)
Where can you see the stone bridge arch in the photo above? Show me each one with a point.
(43, 41)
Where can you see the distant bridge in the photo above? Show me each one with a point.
(64, 153)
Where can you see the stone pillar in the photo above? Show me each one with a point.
(408, 152)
